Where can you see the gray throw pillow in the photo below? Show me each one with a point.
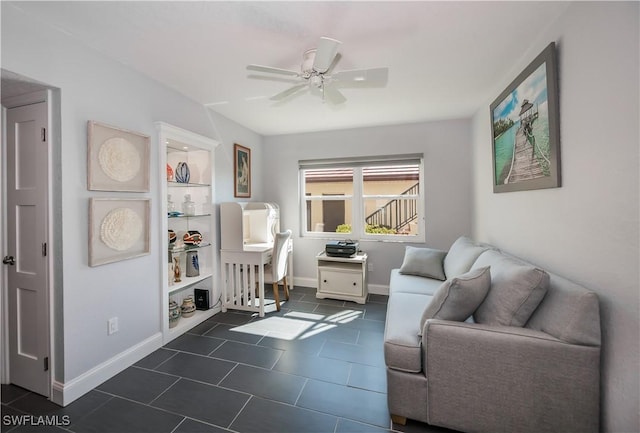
(461, 255)
(457, 298)
(517, 288)
(424, 262)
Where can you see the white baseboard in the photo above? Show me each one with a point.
(305, 282)
(374, 289)
(378, 289)
(65, 393)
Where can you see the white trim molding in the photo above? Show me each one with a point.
(67, 392)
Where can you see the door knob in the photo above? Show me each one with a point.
(9, 260)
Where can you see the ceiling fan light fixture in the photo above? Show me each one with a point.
(308, 58)
(314, 75)
(316, 80)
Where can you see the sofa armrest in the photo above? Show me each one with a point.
(506, 379)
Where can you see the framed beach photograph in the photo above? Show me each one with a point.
(525, 132)
(117, 159)
(118, 229)
(242, 167)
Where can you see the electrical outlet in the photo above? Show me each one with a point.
(112, 325)
(370, 267)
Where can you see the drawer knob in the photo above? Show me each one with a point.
(354, 284)
(325, 281)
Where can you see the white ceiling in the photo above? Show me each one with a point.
(445, 59)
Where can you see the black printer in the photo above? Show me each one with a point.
(346, 248)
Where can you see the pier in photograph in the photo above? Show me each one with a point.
(524, 164)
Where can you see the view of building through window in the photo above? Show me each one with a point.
(384, 199)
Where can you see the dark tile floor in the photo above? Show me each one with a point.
(316, 366)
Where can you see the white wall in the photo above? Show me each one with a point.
(95, 88)
(447, 167)
(588, 229)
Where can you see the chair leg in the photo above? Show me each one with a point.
(276, 296)
(286, 288)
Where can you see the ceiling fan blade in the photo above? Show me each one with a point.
(334, 95)
(325, 53)
(271, 70)
(290, 91)
(289, 80)
(369, 76)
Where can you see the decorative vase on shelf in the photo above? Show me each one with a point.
(176, 270)
(171, 206)
(192, 238)
(172, 238)
(174, 314)
(188, 307)
(188, 206)
(169, 173)
(182, 174)
(193, 265)
(170, 268)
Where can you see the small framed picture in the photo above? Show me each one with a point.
(118, 229)
(117, 159)
(242, 167)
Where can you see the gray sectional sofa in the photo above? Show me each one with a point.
(477, 340)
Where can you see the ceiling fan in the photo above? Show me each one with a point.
(316, 73)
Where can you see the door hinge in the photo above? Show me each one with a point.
(46, 363)
(44, 134)
(44, 249)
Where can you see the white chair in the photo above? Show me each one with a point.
(277, 270)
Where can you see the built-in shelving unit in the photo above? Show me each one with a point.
(178, 145)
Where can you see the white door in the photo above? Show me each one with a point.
(25, 260)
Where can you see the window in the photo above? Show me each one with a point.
(373, 198)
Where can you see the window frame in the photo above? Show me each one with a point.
(358, 199)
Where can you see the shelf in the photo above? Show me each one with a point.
(188, 281)
(189, 247)
(173, 183)
(188, 216)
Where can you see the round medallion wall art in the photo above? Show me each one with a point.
(121, 229)
(119, 159)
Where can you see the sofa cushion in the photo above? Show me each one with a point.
(400, 283)
(516, 290)
(402, 342)
(458, 297)
(461, 256)
(424, 262)
(569, 312)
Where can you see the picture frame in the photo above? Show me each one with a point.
(117, 159)
(118, 229)
(525, 129)
(242, 171)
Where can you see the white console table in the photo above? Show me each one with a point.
(343, 278)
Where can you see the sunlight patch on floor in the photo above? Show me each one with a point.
(345, 316)
(278, 327)
(297, 325)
